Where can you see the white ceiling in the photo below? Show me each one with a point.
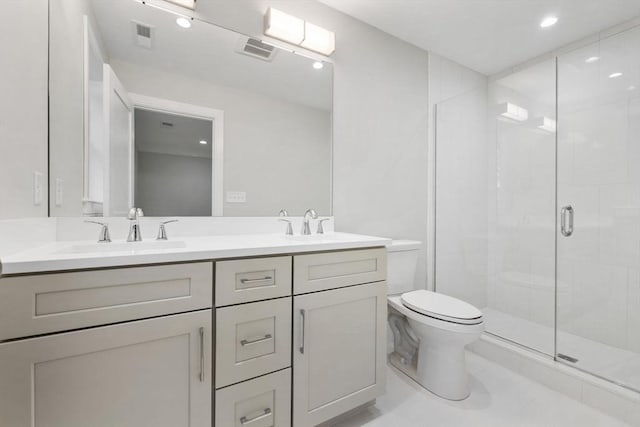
(208, 53)
(488, 35)
(182, 138)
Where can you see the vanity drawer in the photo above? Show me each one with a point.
(318, 272)
(254, 279)
(261, 402)
(32, 305)
(252, 339)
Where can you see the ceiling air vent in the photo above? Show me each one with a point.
(256, 49)
(143, 34)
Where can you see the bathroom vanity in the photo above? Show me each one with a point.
(287, 334)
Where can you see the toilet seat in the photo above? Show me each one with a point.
(441, 307)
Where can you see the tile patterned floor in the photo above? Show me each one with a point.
(499, 398)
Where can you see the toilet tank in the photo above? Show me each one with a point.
(402, 260)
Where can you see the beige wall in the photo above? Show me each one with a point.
(23, 107)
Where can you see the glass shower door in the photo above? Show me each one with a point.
(598, 207)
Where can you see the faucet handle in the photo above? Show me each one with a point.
(283, 212)
(289, 231)
(320, 229)
(135, 213)
(104, 236)
(162, 231)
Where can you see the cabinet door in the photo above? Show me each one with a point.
(152, 373)
(339, 351)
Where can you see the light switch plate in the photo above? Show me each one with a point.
(58, 192)
(236, 197)
(37, 188)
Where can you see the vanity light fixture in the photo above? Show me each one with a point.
(615, 75)
(183, 22)
(547, 124)
(203, 142)
(318, 65)
(318, 39)
(290, 29)
(513, 112)
(189, 4)
(592, 59)
(282, 26)
(549, 21)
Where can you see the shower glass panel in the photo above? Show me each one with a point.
(598, 269)
(521, 254)
(495, 204)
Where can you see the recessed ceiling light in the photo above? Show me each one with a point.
(203, 142)
(318, 65)
(183, 22)
(614, 75)
(592, 59)
(548, 21)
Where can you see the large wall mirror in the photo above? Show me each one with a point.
(181, 117)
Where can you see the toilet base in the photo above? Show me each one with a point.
(428, 383)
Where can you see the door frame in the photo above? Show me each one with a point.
(217, 136)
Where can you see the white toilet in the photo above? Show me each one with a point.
(430, 330)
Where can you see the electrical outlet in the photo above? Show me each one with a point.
(37, 188)
(236, 197)
(58, 192)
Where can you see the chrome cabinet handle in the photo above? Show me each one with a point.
(201, 332)
(564, 229)
(265, 413)
(263, 279)
(267, 337)
(302, 315)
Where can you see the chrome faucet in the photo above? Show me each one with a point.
(134, 228)
(308, 215)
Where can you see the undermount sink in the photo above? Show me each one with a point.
(121, 247)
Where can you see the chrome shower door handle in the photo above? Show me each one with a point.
(566, 227)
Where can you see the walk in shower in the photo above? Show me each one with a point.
(538, 204)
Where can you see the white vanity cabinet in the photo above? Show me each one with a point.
(132, 347)
(339, 334)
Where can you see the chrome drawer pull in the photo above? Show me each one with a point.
(255, 341)
(245, 420)
(201, 332)
(264, 279)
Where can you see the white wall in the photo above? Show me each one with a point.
(66, 138)
(173, 185)
(23, 107)
(380, 119)
(277, 152)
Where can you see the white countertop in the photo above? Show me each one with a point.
(75, 255)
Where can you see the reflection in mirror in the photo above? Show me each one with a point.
(134, 96)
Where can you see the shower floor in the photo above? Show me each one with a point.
(615, 364)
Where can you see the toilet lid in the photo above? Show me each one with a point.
(441, 307)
